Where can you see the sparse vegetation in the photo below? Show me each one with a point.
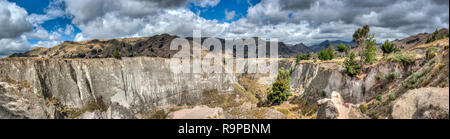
(280, 89)
(159, 114)
(379, 97)
(435, 36)
(378, 76)
(116, 54)
(283, 110)
(300, 57)
(352, 66)
(392, 96)
(388, 47)
(431, 52)
(406, 59)
(392, 76)
(363, 107)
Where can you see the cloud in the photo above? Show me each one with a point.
(206, 3)
(13, 21)
(292, 21)
(13, 45)
(392, 18)
(229, 15)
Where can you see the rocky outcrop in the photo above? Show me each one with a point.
(335, 108)
(198, 112)
(19, 102)
(140, 84)
(423, 103)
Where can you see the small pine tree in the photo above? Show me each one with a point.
(370, 53)
(280, 89)
(331, 52)
(388, 47)
(352, 66)
(324, 55)
(116, 54)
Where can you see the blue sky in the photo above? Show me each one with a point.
(25, 24)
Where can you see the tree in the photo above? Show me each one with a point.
(352, 66)
(116, 54)
(331, 52)
(342, 48)
(298, 58)
(280, 89)
(361, 35)
(324, 55)
(388, 47)
(370, 52)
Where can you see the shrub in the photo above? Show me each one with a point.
(392, 76)
(160, 114)
(324, 55)
(342, 48)
(116, 54)
(388, 47)
(353, 67)
(378, 76)
(406, 59)
(280, 89)
(379, 97)
(392, 96)
(431, 52)
(363, 107)
(370, 52)
(331, 52)
(284, 111)
(301, 57)
(327, 54)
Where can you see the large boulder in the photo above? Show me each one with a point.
(335, 108)
(423, 103)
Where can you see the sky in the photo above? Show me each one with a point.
(25, 24)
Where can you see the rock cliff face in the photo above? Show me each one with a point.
(139, 84)
(424, 103)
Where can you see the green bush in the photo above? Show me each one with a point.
(388, 47)
(392, 96)
(352, 66)
(431, 52)
(324, 55)
(392, 76)
(378, 76)
(300, 57)
(116, 54)
(370, 53)
(363, 107)
(331, 52)
(280, 89)
(406, 59)
(379, 97)
(327, 54)
(342, 48)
